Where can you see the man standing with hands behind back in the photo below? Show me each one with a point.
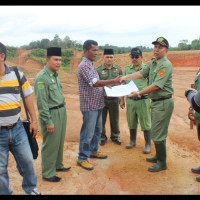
(137, 108)
(109, 71)
(160, 90)
(52, 115)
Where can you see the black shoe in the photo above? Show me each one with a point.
(102, 142)
(53, 179)
(117, 141)
(64, 169)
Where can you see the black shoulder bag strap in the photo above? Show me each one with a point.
(21, 92)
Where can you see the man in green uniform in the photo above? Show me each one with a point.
(52, 115)
(109, 71)
(160, 90)
(137, 108)
(196, 117)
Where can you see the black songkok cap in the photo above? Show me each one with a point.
(108, 52)
(54, 51)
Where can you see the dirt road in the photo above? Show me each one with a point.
(125, 170)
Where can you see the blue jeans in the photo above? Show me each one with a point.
(15, 140)
(90, 133)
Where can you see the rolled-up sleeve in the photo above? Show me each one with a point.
(90, 76)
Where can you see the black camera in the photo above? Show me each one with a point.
(193, 98)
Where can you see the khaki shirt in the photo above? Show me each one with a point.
(159, 73)
(141, 83)
(49, 93)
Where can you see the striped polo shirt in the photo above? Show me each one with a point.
(10, 96)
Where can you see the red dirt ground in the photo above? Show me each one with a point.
(124, 171)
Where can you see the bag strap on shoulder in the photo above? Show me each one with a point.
(21, 92)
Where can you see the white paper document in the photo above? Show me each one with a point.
(121, 90)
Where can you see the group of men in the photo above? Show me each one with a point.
(154, 82)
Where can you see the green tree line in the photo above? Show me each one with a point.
(40, 56)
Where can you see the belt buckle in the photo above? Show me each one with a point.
(10, 126)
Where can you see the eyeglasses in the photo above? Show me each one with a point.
(136, 57)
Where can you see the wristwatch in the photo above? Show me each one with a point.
(139, 96)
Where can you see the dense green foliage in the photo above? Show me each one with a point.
(40, 56)
(11, 53)
(56, 42)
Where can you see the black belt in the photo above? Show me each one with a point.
(57, 107)
(110, 97)
(9, 126)
(137, 98)
(160, 99)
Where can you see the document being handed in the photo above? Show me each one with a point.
(121, 90)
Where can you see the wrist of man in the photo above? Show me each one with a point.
(138, 95)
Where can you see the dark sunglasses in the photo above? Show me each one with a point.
(136, 56)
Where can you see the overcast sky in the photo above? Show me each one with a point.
(114, 25)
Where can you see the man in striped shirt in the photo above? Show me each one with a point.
(13, 137)
(91, 95)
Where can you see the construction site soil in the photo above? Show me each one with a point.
(125, 171)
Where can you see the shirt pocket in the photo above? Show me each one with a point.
(53, 90)
(115, 73)
(104, 76)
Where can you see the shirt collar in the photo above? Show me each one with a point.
(113, 66)
(132, 67)
(159, 60)
(50, 72)
(7, 69)
(88, 61)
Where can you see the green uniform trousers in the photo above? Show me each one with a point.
(161, 114)
(138, 110)
(197, 118)
(53, 144)
(111, 106)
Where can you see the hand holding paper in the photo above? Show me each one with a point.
(121, 90)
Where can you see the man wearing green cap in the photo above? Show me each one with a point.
(52, 115)
(137, 108)
(160, 90)
(109, 71)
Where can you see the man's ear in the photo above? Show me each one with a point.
(2, 57)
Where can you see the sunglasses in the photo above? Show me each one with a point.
(136, 56)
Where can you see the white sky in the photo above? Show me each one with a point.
(114, 25)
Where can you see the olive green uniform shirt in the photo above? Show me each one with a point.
(141, 83)
(48, 90)
(159, 73)
(108, 74)
(111, 104)
(140, 109)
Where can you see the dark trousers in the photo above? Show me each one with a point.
(111, 107)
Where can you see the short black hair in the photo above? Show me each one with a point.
(3, 50)
(88, 43)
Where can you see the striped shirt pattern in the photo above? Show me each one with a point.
(10, 96)
(91, 98)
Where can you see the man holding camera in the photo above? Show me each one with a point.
(195, 116)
